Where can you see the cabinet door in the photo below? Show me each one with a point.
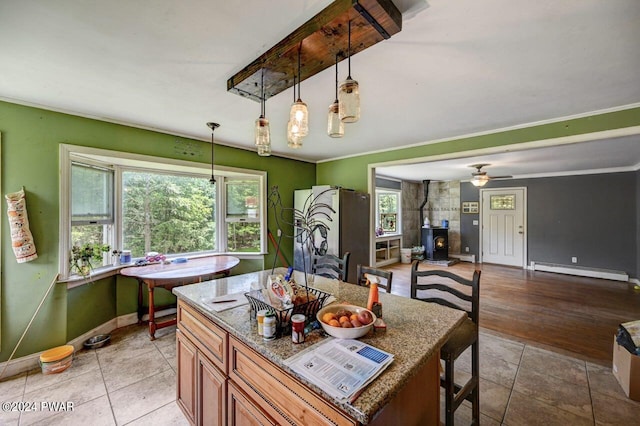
(186, 389)
(212, 398)
(243, 411)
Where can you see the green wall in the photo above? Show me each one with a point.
(352, 172)
(30, 144)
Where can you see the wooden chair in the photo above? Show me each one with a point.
(331, 266)
(384, 281)
(448, 292)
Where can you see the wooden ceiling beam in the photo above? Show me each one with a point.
(320, 39)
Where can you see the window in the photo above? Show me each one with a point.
(388, 212)
(144, 204)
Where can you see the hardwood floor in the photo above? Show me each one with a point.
(576, 315)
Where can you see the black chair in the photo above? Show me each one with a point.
(384, 280)
(331, 266)
(447, 291)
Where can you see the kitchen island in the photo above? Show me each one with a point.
(227, 373)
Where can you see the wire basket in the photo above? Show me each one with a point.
(283, 316)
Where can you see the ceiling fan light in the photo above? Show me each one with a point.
(335, 126)
(480, 180)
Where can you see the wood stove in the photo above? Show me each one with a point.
(436, 243)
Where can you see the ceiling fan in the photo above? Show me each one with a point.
(481, 178)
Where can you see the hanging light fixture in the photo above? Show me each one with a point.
(263, 135)
(293, 140)
(299, 115)
(213, 127)
(335, 126)
(349, 95)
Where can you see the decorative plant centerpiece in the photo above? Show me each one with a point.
(82, 256)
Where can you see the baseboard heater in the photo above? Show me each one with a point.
(581, 271)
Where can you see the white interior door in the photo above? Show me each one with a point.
(503, 226)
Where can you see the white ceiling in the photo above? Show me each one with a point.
(458, 67)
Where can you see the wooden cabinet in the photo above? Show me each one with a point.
(388, 249)
(186, 387)
(212, 393)
(243, 411)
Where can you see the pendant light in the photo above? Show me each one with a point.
(213, 127)
(299, 115)
(335, 126)
(263, 136)
(293, 140)
(349, 95)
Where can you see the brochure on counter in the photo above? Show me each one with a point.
(341, 367)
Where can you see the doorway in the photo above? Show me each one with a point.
(503, 226)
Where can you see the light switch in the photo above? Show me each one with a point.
(475, 222)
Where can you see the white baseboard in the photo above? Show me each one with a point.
(30, 362)
(607, 274)
(463, 257)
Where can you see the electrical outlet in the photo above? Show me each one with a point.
(466, 249)
(574, 260)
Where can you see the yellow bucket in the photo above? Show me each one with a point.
(56, 360)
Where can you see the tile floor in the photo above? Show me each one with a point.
(131, 381)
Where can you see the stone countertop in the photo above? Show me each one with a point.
(415, 331)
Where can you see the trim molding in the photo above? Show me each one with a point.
(582, 271)
(30, 362)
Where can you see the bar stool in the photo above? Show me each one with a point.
(385, 276)
(460, 339)
(331, 266)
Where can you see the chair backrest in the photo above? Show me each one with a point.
(445, 286)
(384, 280)
(331, 266)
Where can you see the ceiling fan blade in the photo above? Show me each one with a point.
(501, 177)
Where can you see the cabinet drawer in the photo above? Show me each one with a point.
(210, 339)
(281, 396)
(243, 411)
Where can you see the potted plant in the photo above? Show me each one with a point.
(81, 257)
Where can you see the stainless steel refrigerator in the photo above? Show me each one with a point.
(347, 231)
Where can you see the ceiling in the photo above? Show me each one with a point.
(458, 67)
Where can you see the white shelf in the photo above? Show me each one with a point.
(388, 249)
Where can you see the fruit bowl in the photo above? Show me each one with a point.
(340, 332)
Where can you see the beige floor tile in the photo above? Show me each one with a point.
(495, 369)
(9, 418)
(143, 397)
(526, 411)
(554, 364)
(493, 399)
(96, 412)
(123, 372)
(83, 362)
(602, 380)
(168, 351)
(129, 345)
(553, 391)
(169, 415)
(499, 348)
(610, 410)
(77, 390)
(12, 388)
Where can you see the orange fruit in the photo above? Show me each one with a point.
(343, 319)
(334, 322)
(328, 317)
(353, 317)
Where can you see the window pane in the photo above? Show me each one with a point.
(91, 195)
(388, 203)
(243, 198)
(166, 213)
(90, 234)
(503, 202)
(243, 237)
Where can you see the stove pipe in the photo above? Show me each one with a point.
(425, 188)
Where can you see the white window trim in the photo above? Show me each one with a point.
(399, 212)
(127, 160)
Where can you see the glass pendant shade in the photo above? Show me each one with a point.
(293, 141)
(264, 150)
(349, 101)
(299, 117)
(263, 135)
(335, 126)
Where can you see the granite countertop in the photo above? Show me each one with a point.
(415, 331)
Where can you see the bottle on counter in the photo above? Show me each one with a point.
(373, 295)
(269, 326)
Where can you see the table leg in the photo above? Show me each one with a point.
(152, 311)
(140, 307)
